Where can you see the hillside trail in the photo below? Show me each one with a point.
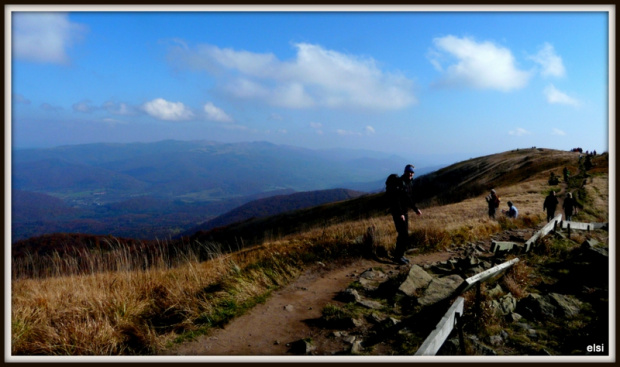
(286, 316)
(270, 328)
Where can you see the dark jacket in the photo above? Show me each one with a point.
(402, 198)
(551, 202)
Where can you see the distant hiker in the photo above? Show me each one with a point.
(399, 191)
(512, 211)
(566, 173)
(551, 202)
(570, 206)
(493, 203)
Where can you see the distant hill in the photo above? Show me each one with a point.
(192, 171)
(451, 184)
(475, 176)
(157, 190)
(276, 205)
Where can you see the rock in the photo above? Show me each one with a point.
(373, 305)
(505, 305)
(496, 340)
(349, 295)
(589, 244)
(513, 317)
(372, 279)
(416, 279)
(302, 347)
(351, 322)
(567, 306)
(495, 292)
(481, 348)
(357, 347)
(375, 318)
(440, 289)
(289, 308)
(535, 306)
(549, 306)
(372, 274)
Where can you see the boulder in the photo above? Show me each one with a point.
(416, 279)
(349, 295)
(535, 306)
(440, 289)
(504, 305)
(567, 306)
(553, 305)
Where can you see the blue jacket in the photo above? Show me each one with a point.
(512, 212)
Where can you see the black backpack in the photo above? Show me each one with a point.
(392, 183)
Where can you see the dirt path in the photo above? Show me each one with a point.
(271, 327)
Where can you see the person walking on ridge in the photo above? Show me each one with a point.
(400, 196)
(551, 202)
(493, 203)
(569, 206)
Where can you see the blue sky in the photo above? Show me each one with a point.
(441, 85)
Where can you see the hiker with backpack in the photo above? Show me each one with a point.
(493, 203)
(570, 206)
(551, 202)
(399, 190)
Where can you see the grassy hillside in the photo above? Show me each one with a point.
(451, 184)
(145, 303)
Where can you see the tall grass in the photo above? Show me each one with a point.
(126, 302)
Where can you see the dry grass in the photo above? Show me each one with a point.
(140, 311)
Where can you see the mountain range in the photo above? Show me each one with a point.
(162, 189)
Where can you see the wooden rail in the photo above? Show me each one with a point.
(437, 337)
(484, 276)
(543, 232)
(445, 326)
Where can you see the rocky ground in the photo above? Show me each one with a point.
(374, 307)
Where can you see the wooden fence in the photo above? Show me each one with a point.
(452, 317)
(444, 328)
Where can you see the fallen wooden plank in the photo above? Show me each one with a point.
(437, 337)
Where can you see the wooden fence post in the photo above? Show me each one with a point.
(568, 227)
(459, 328)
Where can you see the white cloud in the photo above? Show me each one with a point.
(169, 111)
(558, 132)
(315, 77)
(44, 37)
(554, 96)
(519, 132)
(370, 130)
(84, 106)
(551, 63)
(216, 114)
(49, 108)
(482, 65)
(119, 108)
